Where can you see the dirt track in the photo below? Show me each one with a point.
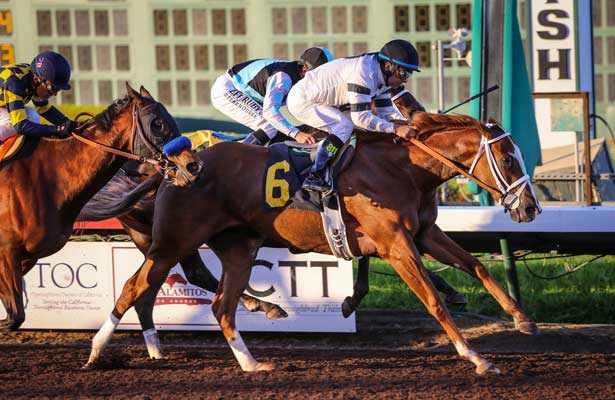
(395, 355)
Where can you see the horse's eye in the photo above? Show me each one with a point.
(157, 124)
(507, 161)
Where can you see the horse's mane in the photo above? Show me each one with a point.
(104, 120)
(428, 123)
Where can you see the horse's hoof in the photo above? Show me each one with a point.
(487, 368)
(10, 325)
(529, 328)
(347, 307)
(456, 299)
(88, 366)
(264, 367)
(276, 313)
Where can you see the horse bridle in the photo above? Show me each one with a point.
(159, 159)
(510, 193)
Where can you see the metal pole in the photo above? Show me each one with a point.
(440, 69)
(588, 157)
(512, 281)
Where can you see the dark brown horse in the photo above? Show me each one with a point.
(122, 197)
(388, 197)
(45, 186)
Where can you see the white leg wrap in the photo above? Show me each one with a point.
(102, 337)
(242, 354)
(465, 352)
(153, 343)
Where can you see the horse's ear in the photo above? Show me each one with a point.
(145, 93)
(133, 93)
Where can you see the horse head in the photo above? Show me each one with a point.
(499, 162)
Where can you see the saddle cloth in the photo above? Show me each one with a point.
(10, 147)
(286, 169)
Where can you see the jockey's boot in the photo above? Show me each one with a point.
(258, 138)
(316, 181)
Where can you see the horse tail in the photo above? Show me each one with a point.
(119, 196)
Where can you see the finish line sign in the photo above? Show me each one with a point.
(76, 288)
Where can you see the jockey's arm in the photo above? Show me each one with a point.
(278, 86)
(360, 110)
(386, 109)
(48, 111)
(19, 118)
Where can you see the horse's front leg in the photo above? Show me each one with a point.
(360, 289)
(151, 274)
(443, 249)
(237, 256)
(403, 255)
(11, 290)
(199, 275)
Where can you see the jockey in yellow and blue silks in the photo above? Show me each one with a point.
(37, 82)
(253, 92)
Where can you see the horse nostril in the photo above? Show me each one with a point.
(193, 167)
(530, 211)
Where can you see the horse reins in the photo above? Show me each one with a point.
(160, 161)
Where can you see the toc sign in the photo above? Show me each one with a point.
(77, 287)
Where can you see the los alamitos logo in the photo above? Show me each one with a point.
(177, 290)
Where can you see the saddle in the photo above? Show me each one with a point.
(288, 165)
(10, 147)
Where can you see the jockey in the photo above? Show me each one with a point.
(253, 92)
(19, 83)
(325, 96)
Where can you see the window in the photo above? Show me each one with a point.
(82, 22)
(201, 57)
(299, 19)
(101, 22)
(180, 22)
(464, 16)
(240, 53)
(402, 18)
(120, 23)
(122, 58)
(218, 21)
(182, 57)
(199, 22)
(220, 57)
(84, 59)
(164, 92)
(238, 21)
(280, 51)
(421, 18)
(86, 92)
(424, 50)
(184, 95)
(161, 23)
(43, 23)
(319, 19)
(279, 20)
(202, 93)
(63, 22)
(339, 19)
(105, 92)
(103, 57)
(443, 17)
(163, 59)
(359, 19)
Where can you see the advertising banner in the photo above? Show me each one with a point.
(77, 287)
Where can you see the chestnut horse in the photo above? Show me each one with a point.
(388, 198)
(45, 186)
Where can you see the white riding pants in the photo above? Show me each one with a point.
(238, 106)
(327, 118)
(6, 127)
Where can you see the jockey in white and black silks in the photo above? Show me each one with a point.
(253, 92)
(37, 82)
(337, 96)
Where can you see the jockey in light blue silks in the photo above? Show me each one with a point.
(37, 82)
(253, 92)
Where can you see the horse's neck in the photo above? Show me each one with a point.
(459, 146)
(76, 171)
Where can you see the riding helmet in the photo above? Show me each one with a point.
(315, 56)
(402, 53)
(53, 67)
